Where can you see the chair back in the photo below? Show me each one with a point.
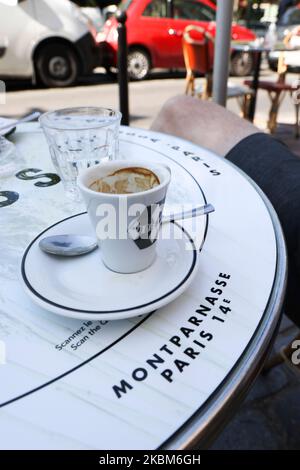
(197, 47)
(282, 66)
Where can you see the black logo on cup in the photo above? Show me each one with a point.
(147, 225)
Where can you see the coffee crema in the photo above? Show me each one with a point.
(127, 180)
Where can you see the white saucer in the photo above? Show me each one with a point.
(82, 287)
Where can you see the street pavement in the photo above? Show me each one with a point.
(269, 418)
(146, 97)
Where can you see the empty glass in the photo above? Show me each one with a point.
(79, 138)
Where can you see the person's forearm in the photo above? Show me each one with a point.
(204, 123)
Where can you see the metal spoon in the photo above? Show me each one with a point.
(195, 212)
(68, 245)
(76, 245)
(134, 226)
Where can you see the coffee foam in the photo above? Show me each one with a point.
(127, 180)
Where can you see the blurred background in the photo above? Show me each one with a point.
(56, 53)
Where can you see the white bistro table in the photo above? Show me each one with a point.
(71, 384)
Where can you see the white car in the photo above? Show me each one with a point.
(51, 41)
(92, 10)
(98, 11)
(289, 21)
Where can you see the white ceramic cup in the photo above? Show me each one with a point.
(113, 216)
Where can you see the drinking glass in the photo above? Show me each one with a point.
(79, 138)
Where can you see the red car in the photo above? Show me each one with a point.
(154, 34)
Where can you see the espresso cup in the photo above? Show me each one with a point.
(126, 225)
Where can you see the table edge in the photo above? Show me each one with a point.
(206, 423)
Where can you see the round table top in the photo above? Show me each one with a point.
(71, 384)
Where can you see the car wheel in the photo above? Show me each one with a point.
(57, 65)
(241, 64)
(138, 64)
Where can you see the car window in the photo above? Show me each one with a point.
(156, 9)
(193, 10)
(291, 17)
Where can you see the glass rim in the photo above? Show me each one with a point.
(116, 117)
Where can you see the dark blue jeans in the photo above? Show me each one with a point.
(276, 170)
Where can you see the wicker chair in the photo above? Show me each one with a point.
(277, 91)
(198, 52)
